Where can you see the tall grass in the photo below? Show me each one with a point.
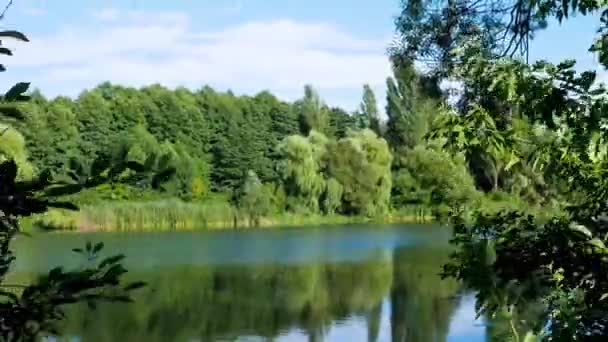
(174, 214)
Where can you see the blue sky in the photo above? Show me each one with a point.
(242, 45)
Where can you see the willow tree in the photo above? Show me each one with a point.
(361, 162)
(301, 170)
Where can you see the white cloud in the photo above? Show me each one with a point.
(138, 48)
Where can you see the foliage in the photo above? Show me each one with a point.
(301, 170)
(253, 199)
(540, 126)
(486, 148)
(313, 113)
(333, 196)
(30, 311)
(368, 117)
(411, 105)
(12, 147)
(361, 163)
(433, 177)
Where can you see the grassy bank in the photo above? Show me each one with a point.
(172, 214)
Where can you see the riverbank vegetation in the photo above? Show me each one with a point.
(254, 160)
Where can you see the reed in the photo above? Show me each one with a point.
(174, 214)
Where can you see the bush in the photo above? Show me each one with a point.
(428, 176)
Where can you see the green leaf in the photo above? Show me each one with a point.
(604, 296)
(581, 229)
(512, 162)
(596, 243)
(14, 34)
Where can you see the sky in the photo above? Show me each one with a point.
(243, 45)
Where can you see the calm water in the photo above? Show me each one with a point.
(349, 283)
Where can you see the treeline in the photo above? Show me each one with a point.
(262, 155)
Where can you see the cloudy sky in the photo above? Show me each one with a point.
(242, 45)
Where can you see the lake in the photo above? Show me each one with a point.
(345, 283)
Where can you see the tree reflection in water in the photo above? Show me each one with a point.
(210, 303)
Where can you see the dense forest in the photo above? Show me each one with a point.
(257, 156)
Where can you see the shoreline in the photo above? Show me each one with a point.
(80, 222)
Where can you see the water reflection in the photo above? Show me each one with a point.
(390, 295)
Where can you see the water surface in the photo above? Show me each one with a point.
(346, 283)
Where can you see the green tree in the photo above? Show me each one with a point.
(369, 109)
(94, 124)
(312, 112)
(361, 162)
(12, 147)
(432, 177)
(301, 170)
(341, 122)
(411, 104)
(48, 149)
(253, 199)
(488, 150)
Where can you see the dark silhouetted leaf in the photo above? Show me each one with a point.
(5, 51)
(111, 260)
(135, 285)
(14, 34)
(16, 91)
(98, 247)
